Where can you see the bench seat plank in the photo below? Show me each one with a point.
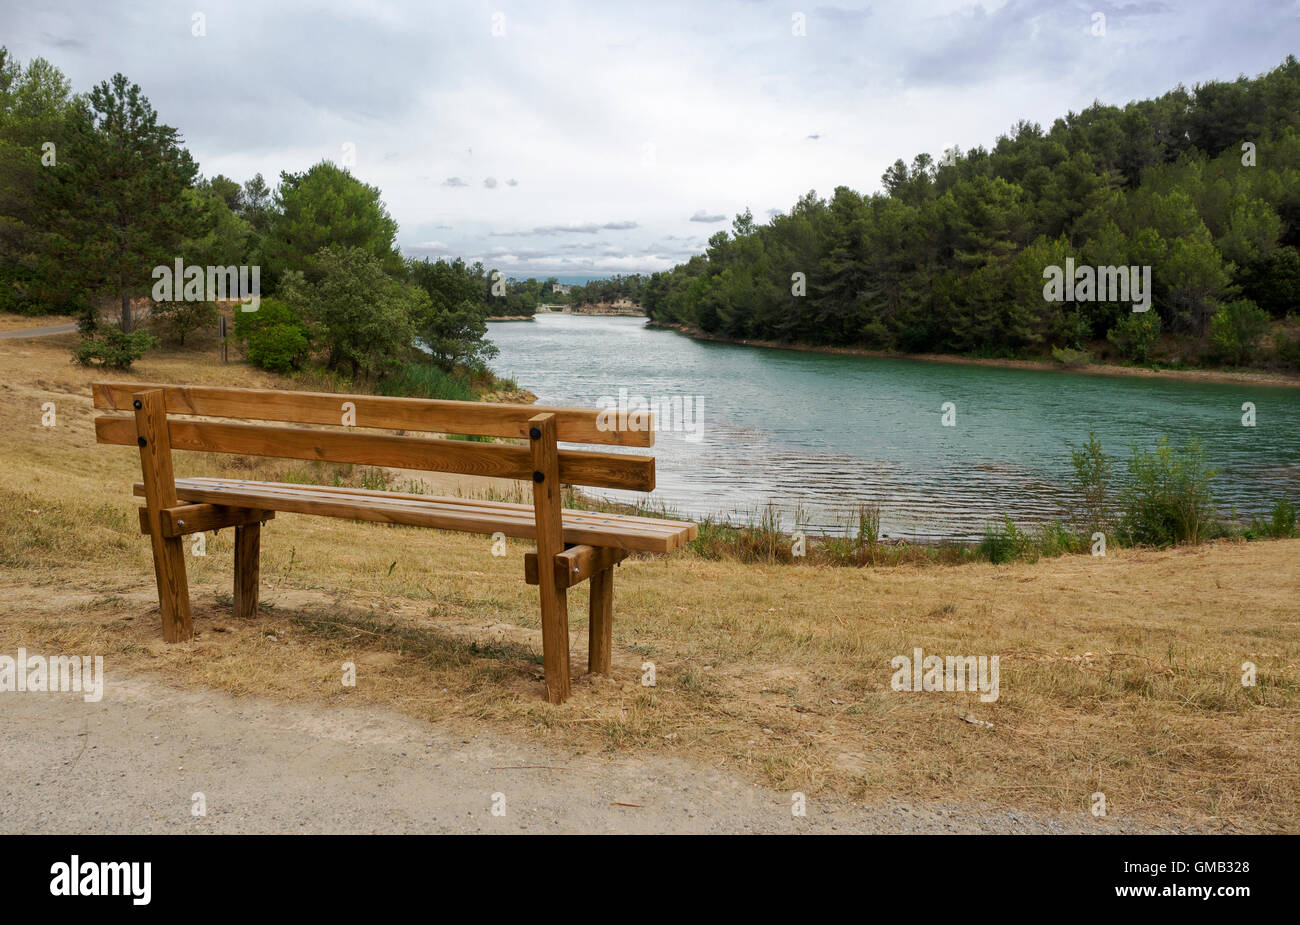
(649, 526)
(620, 531)
(673, 525)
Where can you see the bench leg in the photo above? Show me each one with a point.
(547, 507)
(248, 543)
(160, 492)
(601, 628)
(555, 641)
(173, 587)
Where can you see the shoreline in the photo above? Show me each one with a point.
(1243, 377)
(602, 314)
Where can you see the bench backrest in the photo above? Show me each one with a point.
(356, 441)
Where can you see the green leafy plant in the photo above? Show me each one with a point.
(113, 348)
(361, 320)
(1092, 473)
(1055, 539)
(1235, 329)
(1288, 350)
(1135, 334)
(177, 319)
(869, 524)
(1280, 525)
(1168, 498)
(1006, 543)
(276, 337)
(1071, 358)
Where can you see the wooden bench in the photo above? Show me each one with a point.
(575, 546)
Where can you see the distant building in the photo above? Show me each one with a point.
(560, 288)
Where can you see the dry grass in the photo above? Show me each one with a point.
(1120, 675)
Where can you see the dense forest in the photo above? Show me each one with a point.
(1201, 185)
(96, 194)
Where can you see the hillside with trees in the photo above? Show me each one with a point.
(96, 192)
(1202, 185)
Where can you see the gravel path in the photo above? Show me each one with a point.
(133, 762)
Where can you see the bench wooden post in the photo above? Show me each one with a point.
(159, 493)
(600, 639)
(548, 513)
(247, 549)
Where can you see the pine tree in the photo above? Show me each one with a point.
(118, 198)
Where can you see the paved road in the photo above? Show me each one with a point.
(39, 332)
(134, 761)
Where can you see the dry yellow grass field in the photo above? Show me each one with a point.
(1120, 675)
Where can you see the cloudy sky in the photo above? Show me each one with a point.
(603, 137)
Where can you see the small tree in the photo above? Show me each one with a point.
(454, 327)
(1092, 472)
(1135, 334)
(1235, 329)
(178, 319)
(362, 318)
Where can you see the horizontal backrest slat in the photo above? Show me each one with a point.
(486, 419)
(577, 467)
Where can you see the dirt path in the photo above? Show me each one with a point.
(133, 762)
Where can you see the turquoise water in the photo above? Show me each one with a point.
(817, 434)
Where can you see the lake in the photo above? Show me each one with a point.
(817, 434)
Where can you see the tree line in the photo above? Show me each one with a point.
(524, 296)
(96, 192)
(1201, 185)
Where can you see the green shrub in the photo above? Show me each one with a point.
(840, 550)
(1288, 350)
(276, 337)
(1071, 358)
(1006, 543)
(1135, 334)
(868, 523)
(1167, 499)
(279, 348)
(1280, 525)
(1234, 330)
(1055, 539)
(113, 348)
(1284, 517)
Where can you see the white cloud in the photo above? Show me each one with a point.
(672, 105)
